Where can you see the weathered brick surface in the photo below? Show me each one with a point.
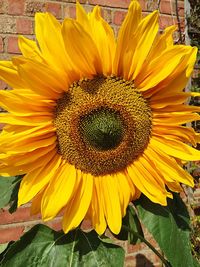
(31, 7)
(69, 11)
(24, 26)
(12, 45)
(11, 233)
(54, 8)
(17, 17)
(21, 215)
(111, 3)
(8, 24)
(3, 85)
(16, 7)
(119, 16)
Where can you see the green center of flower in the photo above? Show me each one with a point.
(102, 129)
(102, 125)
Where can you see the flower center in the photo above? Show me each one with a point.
(102, 125)
(102, 129)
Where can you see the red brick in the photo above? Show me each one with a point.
(1, 126)
(119, 17)
(70, 12)
(111, 3)
(15, 7)
(165, 7)
(8, 234)
(21, 215)
(115, 3)
(1, 45)
(130, 261)
(165, 21)
(54, 8)
(143, 4)
(56, 225)
(3, 85)
(134, 248)
(24, 26)
(12, 46)
(86, 224)
(168, 7)
(181, 8)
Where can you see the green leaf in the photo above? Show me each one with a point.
(132, 222)
(170, 226)
(3, 247)
(9, 187)
(195, 263)
(44, 247)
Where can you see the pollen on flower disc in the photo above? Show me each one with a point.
(102, 124)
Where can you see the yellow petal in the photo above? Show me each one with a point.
(144, 37)
(24, 147)
(146, 183)
(30, 49)
(44, 120)
(82, 17)
(36, 202)
(163, 67)
(9, 74)
(165, 101)
(96, 211)
(181, 133)
(194, 94)
(81, 48)
(125, 192)
(34, 133)
(179, 108)
(164, 41)
(34, 181)
(174, 118)
(111, 203)
(19, 104)
(146, 167)
(61, 188)
(77, 208)
(176, 81)
(174, 186)
(33, 158)
(49, 37)
(175, 148)
(13, 163)
(104, 39)
(41, 79)
(168, 167)
(191, 62)
(127, 30)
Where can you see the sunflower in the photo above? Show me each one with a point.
(95, 121)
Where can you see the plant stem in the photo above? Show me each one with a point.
(167, 264)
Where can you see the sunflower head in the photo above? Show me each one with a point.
(95, 120)
(102, 125)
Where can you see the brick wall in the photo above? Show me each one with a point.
(17, 17)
